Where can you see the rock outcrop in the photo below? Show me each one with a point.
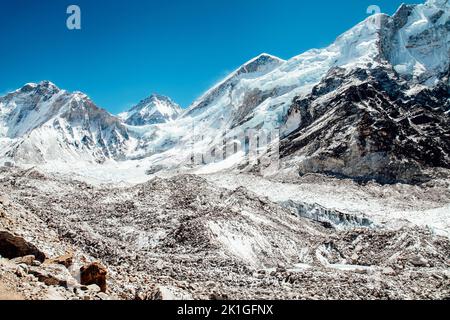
(12, 246)
(94, 273)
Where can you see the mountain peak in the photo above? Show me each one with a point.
(154, 98)
(260, 63)
(155, 109)
(44, 86)
(265, 57)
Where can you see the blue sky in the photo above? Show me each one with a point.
(129, 49)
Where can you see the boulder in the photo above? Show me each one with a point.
(12, 246)
(53, 275)
(65, 260)
(94, 273)
(28, 260)
(418, 261)
(22, 270)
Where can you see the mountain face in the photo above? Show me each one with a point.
(372, 105)
(389, 122)
(370, 128)
(40, 123)
(154, 110)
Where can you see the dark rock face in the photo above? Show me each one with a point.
(370, 128)
(12, 246)
(94, 273)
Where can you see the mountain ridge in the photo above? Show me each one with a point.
(379, 57)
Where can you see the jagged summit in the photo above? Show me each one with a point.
(40, 122)
(152, 110)
(261, 63)
(41, 87)
(153, 98)
(252, 69)
(43, 83)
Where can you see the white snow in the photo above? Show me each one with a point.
(427, 55)
(236, 243)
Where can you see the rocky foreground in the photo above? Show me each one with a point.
(185, 238)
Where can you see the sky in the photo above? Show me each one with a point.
(127, 50)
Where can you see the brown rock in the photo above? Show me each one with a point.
(65, 260)
(12, 246)
(52, 275)
(94, 273)
(28, 260)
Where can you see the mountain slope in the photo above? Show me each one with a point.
(369, 128)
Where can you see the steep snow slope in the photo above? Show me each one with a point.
(417, 41)
(28, 108)
(153, 110)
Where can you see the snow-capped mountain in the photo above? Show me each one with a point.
(41, 123)
(415, 42)
(386, 121)
(373, 104)
(404, 57)
(153, 110)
